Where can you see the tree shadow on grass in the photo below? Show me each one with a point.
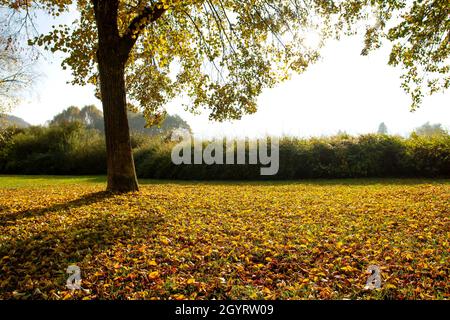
(88, 199)
(40, 261)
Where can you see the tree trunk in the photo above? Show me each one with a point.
(111, 64)
(121, 170)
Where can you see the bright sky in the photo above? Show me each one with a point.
(344, 91)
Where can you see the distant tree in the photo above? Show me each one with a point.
(89, 116)
(71, 114)
(92, 118)
(428, 129)
(342, 133)
(382, 128)
(138, 123)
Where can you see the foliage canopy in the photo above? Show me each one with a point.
(222, 53)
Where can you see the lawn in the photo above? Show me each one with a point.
(248, 240)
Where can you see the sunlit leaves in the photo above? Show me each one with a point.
(222, 53)
(212, 240)
(419, 33)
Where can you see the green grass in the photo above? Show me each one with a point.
(36, 181)
(13, 181)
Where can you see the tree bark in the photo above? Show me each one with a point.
(120, 164)
(111, 65)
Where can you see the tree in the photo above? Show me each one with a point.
(220, 53)
(15, 68)
(382, 128)
(92, 118)
(429, 130)
(71, 114)
(421, 42)
(138, 124)
(225, 52)
(89, 116)
(13, 78)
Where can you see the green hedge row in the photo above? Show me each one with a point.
(72, 149)
(65, 149)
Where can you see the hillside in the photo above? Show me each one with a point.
(10, 120)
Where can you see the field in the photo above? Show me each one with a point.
(192, 240)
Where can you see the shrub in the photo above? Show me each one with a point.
(74, 149)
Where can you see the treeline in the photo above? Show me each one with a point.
(92, 118)
(71, 148)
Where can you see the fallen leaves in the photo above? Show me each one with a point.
(227, 241)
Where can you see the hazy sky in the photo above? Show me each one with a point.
(344, 91)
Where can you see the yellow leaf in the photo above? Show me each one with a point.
(67, 296)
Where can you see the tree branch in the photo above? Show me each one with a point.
(148, 15)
